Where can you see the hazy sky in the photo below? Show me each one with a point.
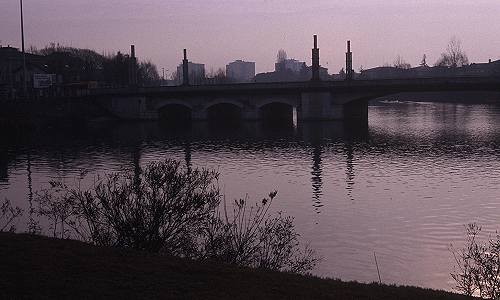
(217, 32)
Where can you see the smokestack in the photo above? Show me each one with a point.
(315, 60)
(132, 67)
(348, 62)
(132, 51)
(185, 69)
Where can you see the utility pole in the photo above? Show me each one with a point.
(25, 87)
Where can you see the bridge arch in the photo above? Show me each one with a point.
(277, 112)
(163, 102)
(174, 111)
(228, 101)
(281, 100)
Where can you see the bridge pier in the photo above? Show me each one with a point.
(250, 114)
(130, 108)
(316, 106)
(199, 114)
(325, 106)
(356, 111)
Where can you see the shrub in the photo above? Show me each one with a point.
(170, 209)
(478, 265)
(57, 205)
(158, 210)
(249, 237)
(8, 215)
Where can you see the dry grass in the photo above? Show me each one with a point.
(35, 267)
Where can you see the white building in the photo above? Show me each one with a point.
(196, 73)
(240, 71)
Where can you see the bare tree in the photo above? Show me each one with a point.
(423, 62)
(464, 262)
(160, 209)
(478, 265)
(147, 73)
(175, 76)
(454, 56)
(281, 56)
(342, 73)
(216, 77)
(8, 215)
(400, 63)
(57, 205)
(247, 236)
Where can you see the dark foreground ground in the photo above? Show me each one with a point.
(35, 267)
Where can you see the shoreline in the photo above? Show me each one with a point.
(38, 267)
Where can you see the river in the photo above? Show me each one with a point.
(404, 187)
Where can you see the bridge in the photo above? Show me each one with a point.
(311, 100)
(308, 100)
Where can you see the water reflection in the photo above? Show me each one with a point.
(349, 153)
(136, 160)
(403, 186)
(31, 211)
(4, 166)
(187, 154)
(317, 182)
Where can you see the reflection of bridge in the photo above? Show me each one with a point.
(311, 100)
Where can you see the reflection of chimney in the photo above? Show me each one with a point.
(185, 69)
(315, 60)
(317, 178)
(348, 62)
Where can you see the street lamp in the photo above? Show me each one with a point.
(25, 88)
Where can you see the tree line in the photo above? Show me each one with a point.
(76, 64)
(453, 57)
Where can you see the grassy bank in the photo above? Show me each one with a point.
(35, 267)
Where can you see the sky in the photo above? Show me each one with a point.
(218, 32)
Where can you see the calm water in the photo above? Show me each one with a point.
(403, 187)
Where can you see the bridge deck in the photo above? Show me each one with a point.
(392, 85)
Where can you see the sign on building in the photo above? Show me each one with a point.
(42, 81)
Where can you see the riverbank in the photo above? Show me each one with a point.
(30, 116)
(461, 97)
(36, 267)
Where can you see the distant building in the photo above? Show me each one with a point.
(289, 64)
(291, 70)
(12, 71)
(384, 73)
(474, 69)
(240, 71)
(196, 73)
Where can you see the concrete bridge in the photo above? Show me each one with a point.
(311, 100)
